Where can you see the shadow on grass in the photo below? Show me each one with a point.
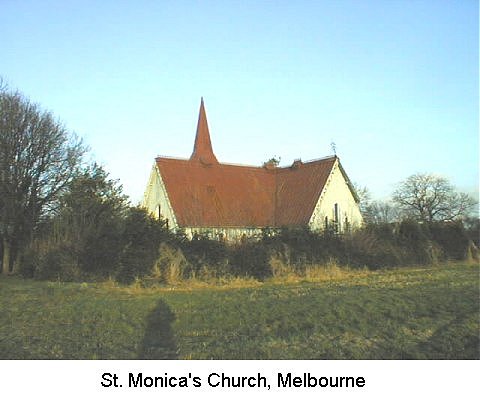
(159, 341)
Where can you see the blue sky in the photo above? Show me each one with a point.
(393, 83)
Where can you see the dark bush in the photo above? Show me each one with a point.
(472, 229)
(251, 260)
(58, 264)
(141, 239)
(28, 264)
(415, 239)
(202, 252)
(410, 231)
(452, 239)
(362, 248)
(127, 243)
(384, 231)
(306, 247)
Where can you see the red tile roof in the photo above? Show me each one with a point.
(298, 189)
(218, 194)
(206, 193)
(224, 195)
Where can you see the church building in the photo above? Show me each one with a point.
(203, 196)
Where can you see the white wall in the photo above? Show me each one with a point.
(336, 191)
(156, 196)
(227, 234)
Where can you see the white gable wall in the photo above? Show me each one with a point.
(336, 191)
(156, 201)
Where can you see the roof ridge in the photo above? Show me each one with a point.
(319, 159)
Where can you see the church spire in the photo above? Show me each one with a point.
(202, 150)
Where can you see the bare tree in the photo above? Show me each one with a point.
(374, 211)
(427, 198)
(380, 212)
(38, 157)
(364, 197)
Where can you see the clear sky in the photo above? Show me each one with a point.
(393, 83)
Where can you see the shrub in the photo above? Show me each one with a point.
(472, 229)
(280, 261)
(58, 264)
(141, 238)
(171, 265)
(201, 252)
(414, 238)
(452, 238)
(28, 264)
(251, 260)
(141, 246)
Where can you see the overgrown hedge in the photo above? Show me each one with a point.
(145, 249)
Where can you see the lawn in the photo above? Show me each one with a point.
(409, 313)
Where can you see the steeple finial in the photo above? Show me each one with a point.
(202, 150)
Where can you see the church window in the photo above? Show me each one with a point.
(347, 224)
(336, 218)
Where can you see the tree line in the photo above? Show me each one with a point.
(61, 218)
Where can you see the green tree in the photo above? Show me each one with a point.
(94, 234)
(82, 239)
(38, 158)
(90, 221)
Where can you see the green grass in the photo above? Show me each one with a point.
(410, 313)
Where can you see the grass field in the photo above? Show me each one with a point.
(410, 313)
